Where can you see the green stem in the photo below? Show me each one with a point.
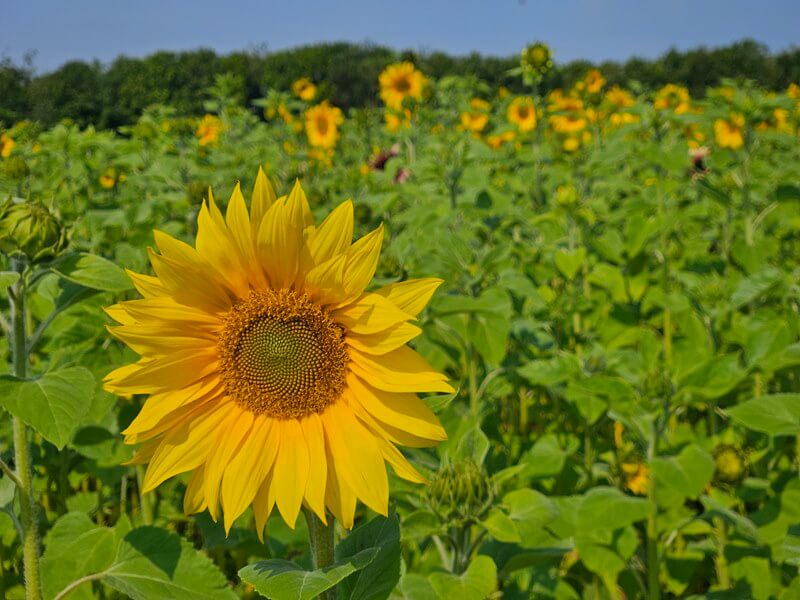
(320, 537)
(22, 456)
(653, 561)
(723, 577)
(473, 382)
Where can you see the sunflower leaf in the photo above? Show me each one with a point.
(54, 404)
(285, 580)
(377, 580)
(92, 271)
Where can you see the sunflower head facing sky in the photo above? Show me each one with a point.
(274, 377)
(322, 125)
(401, 81)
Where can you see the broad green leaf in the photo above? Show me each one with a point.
(377, 579)
(570, 261)
(551, 371)
(501, 527)
(617, 510)
(476, 583)
(530, 511)
(92, 271)
(284, 580)
(7, 279)
(53, 404)
(414, 587)
(713, 378)
(776, 414)
(682, 477)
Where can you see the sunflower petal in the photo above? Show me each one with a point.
(401, 370)
(291, 470)
(410, 296)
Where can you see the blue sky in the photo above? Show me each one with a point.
(61, 30)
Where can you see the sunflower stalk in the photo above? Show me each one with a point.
(321, 542)
(22, 457)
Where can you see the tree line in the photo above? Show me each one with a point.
(115, 94)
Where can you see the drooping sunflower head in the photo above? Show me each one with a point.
(274, 376)
(322, 125)
(522, 113)
(401, 81)
(304, 89)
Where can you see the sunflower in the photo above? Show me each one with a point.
(304, 89)
(672, 97)
(7, 144)
(729, 132)
(401, 81)
(522, 113)
(322, 125)
(209, 129)
(396, 120)
(273, 375)
(477, 117)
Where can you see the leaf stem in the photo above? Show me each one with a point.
(321, 538)
(22, 457)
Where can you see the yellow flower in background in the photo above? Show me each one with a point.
(778, 121)
(322, 125)
(503, 92)
(6, 145)
(475, 119)
(729, 133)
(594, 81)
(672, 97)
(622, 118)
(209, 129)
(522, 113)
(636, 476)
(273, 376)
(498, 140)
(401, 81)
(304, 89)
(396, 119)
(619, 98)
(111, 177)
(568, 123)
(793, 91)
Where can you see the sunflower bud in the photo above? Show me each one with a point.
(28, 229)
(536, 61)
(730, 465)
(461, 491)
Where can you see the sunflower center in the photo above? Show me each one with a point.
(282, 355)
(402, 85)
(322, 125)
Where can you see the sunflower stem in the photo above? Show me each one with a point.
(320, 538)
(22, 456)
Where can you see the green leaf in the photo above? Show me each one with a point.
(285, 580)
(53, 404)
(530, 511)
(414, 587)
(7, 279)
(684, 476)
(377, 579)
(501, 527)
(92, 271)
(617, 510)
(551, 371)
(713, 378)
(477, 583)
(776, 414)
(570, 261)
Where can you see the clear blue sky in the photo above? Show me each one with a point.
(62, 30)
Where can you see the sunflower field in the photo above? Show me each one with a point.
(469, 344)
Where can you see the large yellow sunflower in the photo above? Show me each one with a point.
(522, 113)
(401, 81)
(273, 375)
(322, 125)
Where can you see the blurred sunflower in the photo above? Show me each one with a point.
(477, 117)
(322, 125)
(273, 375)
(304, 89)
(209, 129)
(396, 120)
(111, 177)
(594, 81)
(672, 97)
(498, 140)
(619, 98)
(7, 144)
(401, 81)
(522, 113)
(729, 133)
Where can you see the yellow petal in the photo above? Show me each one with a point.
(324, 283)
(248, 468)
(356, 456)
(411, 296)
(185, 447)
(241, 232)
(164, 310)
(318, 467)
(291, 470)
(152, 340)
(190, 286)
(401, 410)
(216, 245)
(362, 260)
(384, 341)
(193, 499)
(147, 285)
(163, 374)
(119, 314)
(387, 432)
(401, 370)
(339, 498)
(231, 435)
(263, 505)
(263, 199)
(334, 234)
(279, 245)
(369, 314)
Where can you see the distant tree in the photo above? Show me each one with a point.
(74, 91)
